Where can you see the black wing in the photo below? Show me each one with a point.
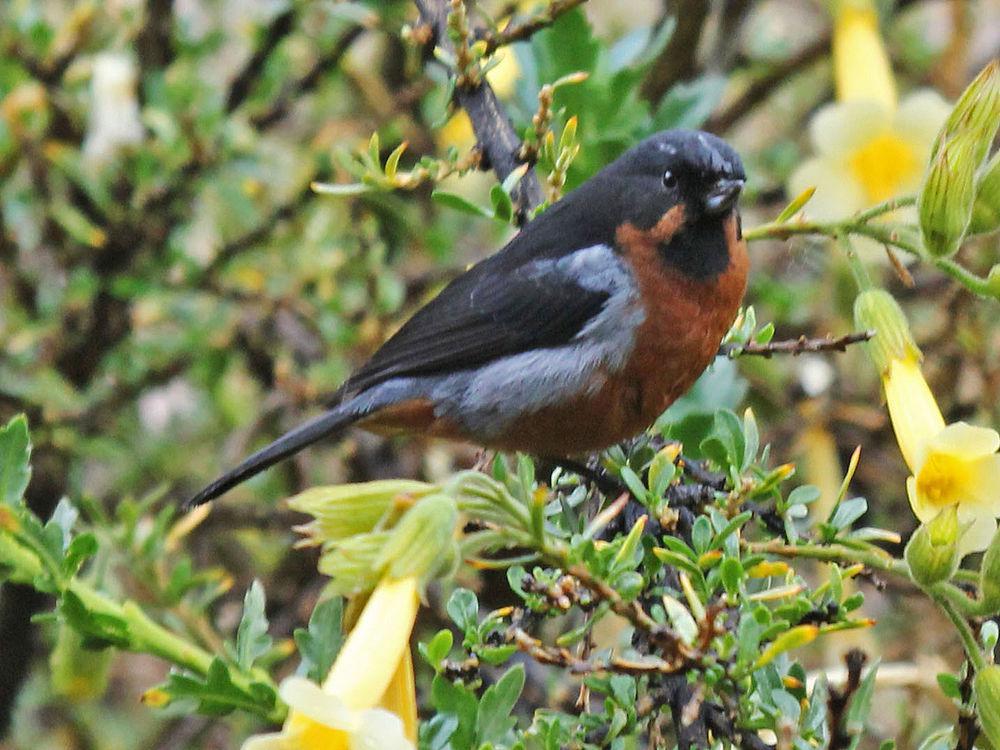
(504, 305)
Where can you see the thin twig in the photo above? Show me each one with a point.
(561, 657)
(801, 345)
(522, 30)
(759, 90)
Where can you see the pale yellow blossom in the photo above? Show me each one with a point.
(368, 701)
(868, 146)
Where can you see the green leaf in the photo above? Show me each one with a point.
(460, 702)
(731, 574)
(321, 642)
(436, 650)
(493, 721)
(457, 202)
(15, 454)
(503, 207)
(329, 188)
(218, 695)
(861, 703)
(252, 639)
(99, 629)
(950, 685)
(463, 609)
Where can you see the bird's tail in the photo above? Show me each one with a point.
(328, 423)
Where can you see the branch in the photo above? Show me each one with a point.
(518, 32)
(494, 130)
(561, 657)
(761, 88)
(795, 347)
(678, 59)
(309, 81)
(280, 27)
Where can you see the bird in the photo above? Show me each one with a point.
(578, 333)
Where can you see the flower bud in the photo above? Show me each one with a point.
(342, 511)
(986, 207)
(989, 576)
(945, 201)
(78, 673)
(932, 553)
(987, 691)
(877, 310)
(975, 116)
(352, 564)
(422, 542)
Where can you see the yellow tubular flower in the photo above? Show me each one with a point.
(954, 465)
(367, 702)
(914, 412)
(960, 467)
(869, 147)
(861, 65)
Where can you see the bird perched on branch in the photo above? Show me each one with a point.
(576, 335)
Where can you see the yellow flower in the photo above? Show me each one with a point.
(367, 702)
(953, 465)
(960, 467)
(869, 148)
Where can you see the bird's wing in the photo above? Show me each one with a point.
(502, 306)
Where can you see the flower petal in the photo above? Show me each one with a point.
(380, 730)
(373, 649)
(919, 118)
(979, 535)
(307, 698)
(966, 441)
(915, 415)
(984, 484)
(272, 741)
(861, 64)
(923, 510)
(841, 128)
(838, 193)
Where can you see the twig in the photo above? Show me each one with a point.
(518, 32)
(801, 345)
(279, 28)
(678, 59)
(840, 699)
(561, 657)
(758, 91)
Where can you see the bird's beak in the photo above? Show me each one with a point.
(723, 196)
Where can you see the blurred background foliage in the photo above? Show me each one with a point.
(173, 293)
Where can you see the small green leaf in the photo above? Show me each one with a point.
(861, 703)
(15, 454)
(950, 685)
(457, 202)
(493, 721)
(463, 609)
(503, 207)
(328, 188)
(321, 642)
(392, 163)
(436, 650)
(252, 639)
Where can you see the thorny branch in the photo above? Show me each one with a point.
(801, 345)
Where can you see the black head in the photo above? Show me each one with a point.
(695, 171)
(687, 167)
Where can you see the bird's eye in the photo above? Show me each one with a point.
(669, 180)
